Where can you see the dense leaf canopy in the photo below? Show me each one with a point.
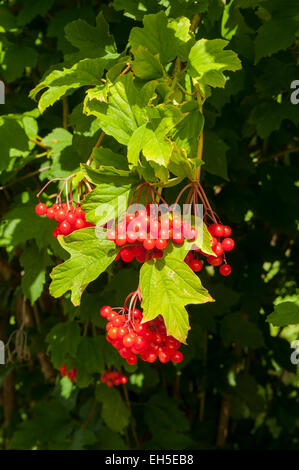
(113, 94)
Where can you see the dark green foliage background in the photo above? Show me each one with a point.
(235, 361)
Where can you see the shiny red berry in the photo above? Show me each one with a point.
(228, 244)
(226, 230)
(216, 230)
(196, 265)
(41, 209)
(214, 260)
(225, 270)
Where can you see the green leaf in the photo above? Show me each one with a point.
(83, 437)
(92, 41)
(162, 36)
(214, 155)
(35, 264)
(91, 355)
(285, 313)
(105, 157)
(146, 65)
(15, 132)
(58, 140)
(31, 9)
(167, 286)
(114, 412)
(182, 166)
(59, 426)
(208, 61)
(63, 339)
(188, 130)
(110, 197)
(16, 228)
(235, 329)
(267, 117)
(91, 253)
(151, 138)
(280, 31)
(16, 58)
(125, 110)
(57, 83)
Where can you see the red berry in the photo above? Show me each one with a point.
(228, 244)
(177, 356)
(150, 356)
(216, 230)
(192, 235)
(80, 223)
(71, 218)
(225, 270)
(141, 236)
(113, 332)
(214, 260)
(41, 209)
(137, 314)
(131, 236)
(63, 370)
(132, 359)
(111, 235)
(129, 340)
(161, 244)
(123, 379)
(226, 230)
(60, 215)
(158, 253)
(163, 357)
(122, 331)
(50, 213)
(126, 254)
(196, 265)
(218, 249)
(178, 237)
(120, 240)
(64, 227)
(105, 311)
(80, 212)
(118, 321)
(149, 244)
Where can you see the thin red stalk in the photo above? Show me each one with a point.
(158, 194)
(182, 191)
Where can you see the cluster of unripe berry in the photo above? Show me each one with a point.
(219, 247)
(113, 377)
(147, 340)
(70, 217)
(145, 234)
(71, 374)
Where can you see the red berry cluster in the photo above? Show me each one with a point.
(71, 374)
(146, 235)
(131, 338)
(219, 247)
(70, 217)
(113, 377)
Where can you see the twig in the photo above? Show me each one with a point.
(29, 175)
(96, 146)
(91, 413)
(38, 143)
